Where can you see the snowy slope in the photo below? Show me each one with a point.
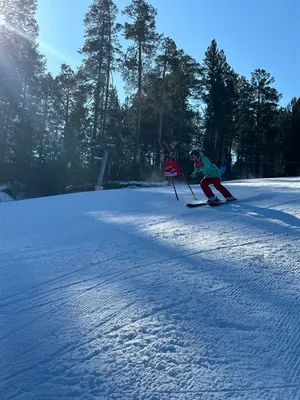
(127, 294)
(4, 197)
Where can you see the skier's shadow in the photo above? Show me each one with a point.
(269, 215)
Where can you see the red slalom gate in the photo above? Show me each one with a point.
(171, 167)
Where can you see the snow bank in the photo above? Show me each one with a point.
(4, 197)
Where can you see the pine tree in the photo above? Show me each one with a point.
(142, 32)
(244, 122)
(45, 142)
(163, 65)
(72, 119)
(21, 71)
(185, 86)
(290, 129)
(219, 84)
(265, 109)
(100, 49)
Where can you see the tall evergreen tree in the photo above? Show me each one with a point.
(72, 119)
(21, 71)
(219, 84)
(163, 65)
(185, 88)
(46, 150)
(290, 129)
(142, 32)
(100, 50)
(244, 121)
(265, 109)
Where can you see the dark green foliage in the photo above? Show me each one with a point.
(288, 126)
(141, 31)
(52, 128)
(220, 97)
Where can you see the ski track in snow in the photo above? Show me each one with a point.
(128, 294)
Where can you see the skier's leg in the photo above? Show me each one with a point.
(205, 182)
(222, 189)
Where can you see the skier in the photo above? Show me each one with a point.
(211, 175)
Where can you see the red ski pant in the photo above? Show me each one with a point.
(205, 182)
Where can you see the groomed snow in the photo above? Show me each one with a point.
(129, 295)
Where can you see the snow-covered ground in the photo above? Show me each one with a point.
(127, 294)
(4, 197)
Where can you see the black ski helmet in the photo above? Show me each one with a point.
(194, 153)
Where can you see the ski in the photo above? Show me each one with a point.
(217, 203)
(190, 205)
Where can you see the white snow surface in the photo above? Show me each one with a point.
(4, 196)
(127, 294)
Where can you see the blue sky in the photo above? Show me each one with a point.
(254, 34)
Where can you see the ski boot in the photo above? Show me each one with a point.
(230, 198)
(213, 200)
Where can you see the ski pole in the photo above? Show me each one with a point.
(186, 181)
(172, 180)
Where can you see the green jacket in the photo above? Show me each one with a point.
(206, 167)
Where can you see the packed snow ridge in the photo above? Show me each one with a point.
(128, 294)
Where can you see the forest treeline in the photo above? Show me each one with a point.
(53, 127)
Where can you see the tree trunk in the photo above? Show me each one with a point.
(161, 111)
(67, 130)
(45, 114)
(138, 122)
(108, 68)
(97, 98)
(3, 133)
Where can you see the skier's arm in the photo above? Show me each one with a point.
(194, 174)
